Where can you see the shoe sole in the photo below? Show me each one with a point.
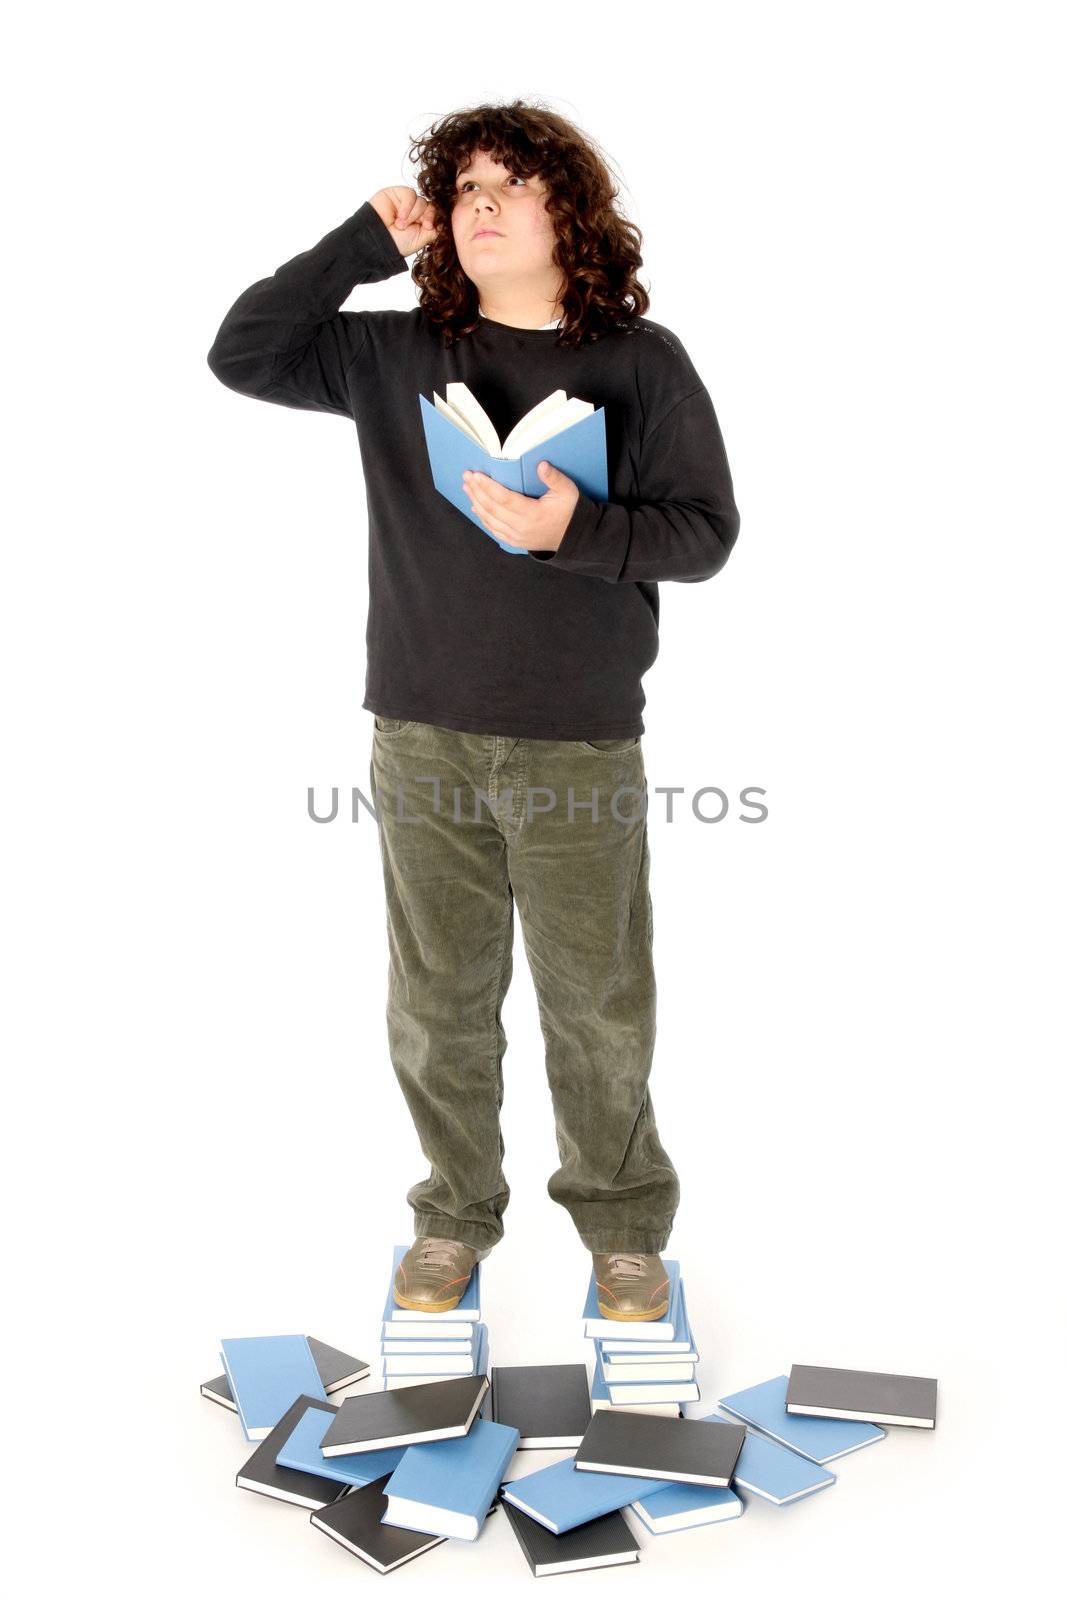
(632, 1316)
(425, 1305)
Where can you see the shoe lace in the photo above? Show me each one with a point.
(439, 1252)
(627, 1265)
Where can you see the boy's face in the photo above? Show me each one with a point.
(522, 237)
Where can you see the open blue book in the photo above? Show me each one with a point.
(565, 431)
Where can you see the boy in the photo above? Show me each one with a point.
(515, 671)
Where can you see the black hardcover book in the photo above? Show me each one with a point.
(336, 1369)
(218, 1389)
(862, 1396)
(548, 1404)
(262, 1474)
(682, 1449)
(443, 1409)
(356, 1522)
(603, 1542)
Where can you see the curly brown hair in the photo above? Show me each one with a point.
(597, 249)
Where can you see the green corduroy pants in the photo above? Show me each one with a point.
(471, 826)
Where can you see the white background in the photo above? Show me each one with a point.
(849, 217)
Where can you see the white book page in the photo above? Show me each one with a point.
(454, 417)
(462, 404)
(543, 423)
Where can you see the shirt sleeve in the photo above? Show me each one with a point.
(685, 523)
(285, 338)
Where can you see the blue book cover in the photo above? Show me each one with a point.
(301, 1451)
(266, 1375)
(675, 1506)
(561, 1497)
(432, 1324)
(447, 1485)
(768, 1469)
(663, 1328)
(821, 1439)
(580, 451)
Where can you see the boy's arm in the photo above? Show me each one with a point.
(686, 522)
(285, 338)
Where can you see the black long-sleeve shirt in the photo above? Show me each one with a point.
(459, 632)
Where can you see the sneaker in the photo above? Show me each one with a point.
(630, 1288)
(434, 1274)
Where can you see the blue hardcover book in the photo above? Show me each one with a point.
(301, 1452)
(675, 1506)
(562, 1497)
(459, 435)
(436, 1356)
(266, 1375)
(768, 1469)
(666, 1327)
(821, 1439)
(458, 1323)
(600, 1399)
(647, 1391)
(446, 1486)
(429, 1367)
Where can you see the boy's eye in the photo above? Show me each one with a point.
(512, 176)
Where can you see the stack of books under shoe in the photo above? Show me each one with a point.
(389, 1475)
(418, 1346)
(643, 1366)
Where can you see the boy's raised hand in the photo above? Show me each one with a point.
(410, 218)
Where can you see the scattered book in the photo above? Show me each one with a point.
(262, 1474)
(424, 1412)
(458, 1323)
(548, 1404)
(355, 1521)
(448, 1487)
(659, 1447)
(774, 1473)
(336, 1368)
(674, 1506)
(861, 1396)
(303, 1451)
(561, 1498)
(821, 1439)
(600, 1400)
(655, 1391)
(603, 1542)
(266, 1375)
(459, 436)
(663, 1329)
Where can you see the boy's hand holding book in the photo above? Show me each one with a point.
(507, 487)
(529, 522)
